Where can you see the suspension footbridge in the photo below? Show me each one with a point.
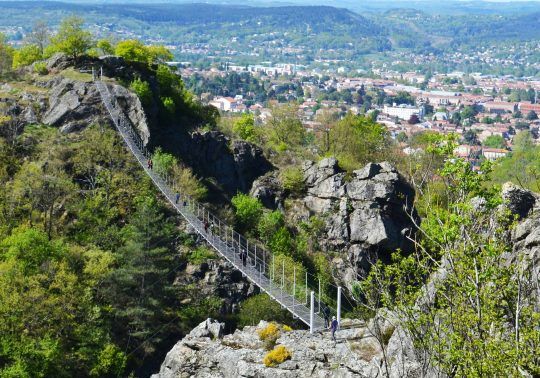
(257, 264)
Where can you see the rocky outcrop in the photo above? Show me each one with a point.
(206, 353)
(368, 215)
(269, 191)
(234, 165)
(216, 278)
(519, 201)
(73, 105)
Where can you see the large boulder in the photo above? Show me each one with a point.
(367, 216)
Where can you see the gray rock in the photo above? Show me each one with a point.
(519, 201)
(241, 354)
(368, 217)
(268, 190)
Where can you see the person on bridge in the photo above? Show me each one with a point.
(150, 164)
(177, 198)
(206, 225)
(243, 256)
(334, 327)
(326, 316)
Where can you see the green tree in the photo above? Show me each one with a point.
(495, 141)
(356, 140)
(26, 55)
(6, 55)
(248, 211)
(132, 50)
(71, 38)
(244, 127)
(143, 91)
(531, 116)
(286, 130)
(105, 46)
(262, 307)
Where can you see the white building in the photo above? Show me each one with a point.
(403, 111)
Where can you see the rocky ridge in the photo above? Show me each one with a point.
(367, 216)
(205, 352)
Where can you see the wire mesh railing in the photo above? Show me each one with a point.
(286, 282)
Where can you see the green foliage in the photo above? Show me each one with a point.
(292, 179)
(495, 141)
(133, 50)
(26, 55)
(187, 183)
(269, 224)
(248, 211)
(531, 116)
(286, 130)
(71, 38)
(357, 140)
(105, 46)
(143, 91)
(522, 166)
(244, 127)
(261, 307)
(200, 255)
(282, 243)
(41, 68)
(168, 104)
(6, 55)
(164, 162)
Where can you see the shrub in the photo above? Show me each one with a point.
(164, 162)
(248, 210)
(261, 307)
(41, 68)
(188, 183)
(286, 328)
(168, 103)
(269, 224)
(143, 91)
(292, 179)
(201, 255)
(245, 127)
(26, 55)
(277, 356)
(269, 335)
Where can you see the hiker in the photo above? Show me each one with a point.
(150, 164)
(206, 226)
(326, 315)
(177, 198)
(185, 202)
(334, 326)
(243, 256)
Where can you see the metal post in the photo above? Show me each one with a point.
(319, 306)
(282, 277)
(312, 313)
(339, 306)
(294, 286)
(273, 272)
(306, 290)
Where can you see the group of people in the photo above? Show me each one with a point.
(332, 325)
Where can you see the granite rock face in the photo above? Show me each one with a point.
(205, 353)
(234, 165)
(367, 216)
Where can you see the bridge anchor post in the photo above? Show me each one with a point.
(312, 313)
